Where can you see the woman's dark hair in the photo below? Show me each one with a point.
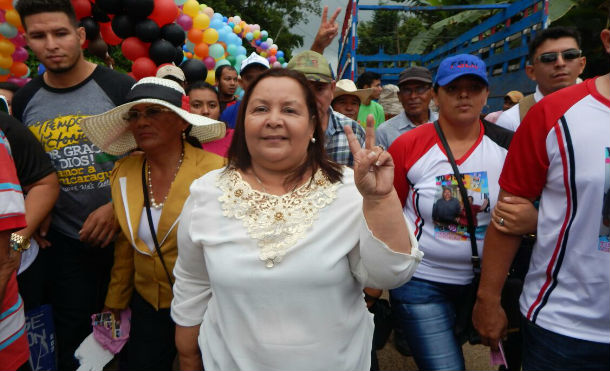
(240, 158)
(202, 85)
(30, 7)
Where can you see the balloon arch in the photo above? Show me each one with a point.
(151, 33)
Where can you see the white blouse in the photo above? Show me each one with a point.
(276, 281)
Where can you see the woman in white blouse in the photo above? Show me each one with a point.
(274, 250)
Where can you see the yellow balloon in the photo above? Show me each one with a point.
(191, 8)
(237, 29)
(210, 36)
(211, 78)
(6, 62)
(12, 17)
(201, 21)
(6, 47)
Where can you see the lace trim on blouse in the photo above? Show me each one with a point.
(275, 222)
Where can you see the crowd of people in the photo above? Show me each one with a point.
(259, 232)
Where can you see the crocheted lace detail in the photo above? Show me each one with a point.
(275, 222)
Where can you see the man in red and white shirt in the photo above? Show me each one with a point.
(561, 153)
(14, 351)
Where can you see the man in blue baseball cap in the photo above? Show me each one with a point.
(460, 65)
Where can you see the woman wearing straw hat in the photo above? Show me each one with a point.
(148, 191)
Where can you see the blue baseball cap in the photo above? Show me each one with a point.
(460, 65)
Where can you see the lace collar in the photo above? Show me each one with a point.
(275, 222)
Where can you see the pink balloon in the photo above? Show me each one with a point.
(2, 18)
(277, 64)
(209, 62)
(18, 40)
(20, 54)
(18, 81)
(185, 22)
(272, 59)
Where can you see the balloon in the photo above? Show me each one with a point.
(8, 31)
(6, 61)
(231, 60)
(232, 49)
(210, 36)
(280, 54)
(216, 51)
(179, 57)
(20, 54)
(41, 69)
(272, 59)
(108, 35)
(241, 50)
(201, 50)
(216, 24)
(139, 8)
(185, 22)
(12, 17)
(236, 29)
(222, 62)
(6, 4)
(143, 67)
(191, 7)
(201, 21)
(249, 36)
(134, 48)
(147, 30)
(98, 14)
(19, 40)
(209, 11)
(123, 26)
(211, 77)
(82, 8)
(189, 46)
(263, 45)
(256, 34)
(173, 33)
(209, 63)
(269, 41)
(162, 51)
(92, 30)
(195, 35)
(98, 48)
(179, 2)
(237, 19)
(110, 6)
(193, 70)
(277, 64)
(164, 12)
(272, 51)
(264, 35)
(6, 47)
(4, 78)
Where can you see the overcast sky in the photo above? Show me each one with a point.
(308, 30)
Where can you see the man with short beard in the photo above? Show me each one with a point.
(51, 106)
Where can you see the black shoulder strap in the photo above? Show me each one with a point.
(476, 261)
(152, 226)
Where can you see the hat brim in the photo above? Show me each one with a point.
(111, 133)
(448, 79)
(317, 77)
(363, 94)
(415, 78)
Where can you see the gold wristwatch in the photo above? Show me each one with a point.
(19, 243)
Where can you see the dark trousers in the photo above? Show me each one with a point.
(32, 285)
(151, 344)
(78, 276)
(546, 350)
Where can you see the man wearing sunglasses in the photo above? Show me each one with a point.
(415, 94)
(555, 62)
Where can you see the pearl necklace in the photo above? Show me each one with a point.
(153, 203)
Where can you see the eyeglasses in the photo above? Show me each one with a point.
(420, 89)
(148, 112)
(567, 55)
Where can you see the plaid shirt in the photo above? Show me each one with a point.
(336, 144)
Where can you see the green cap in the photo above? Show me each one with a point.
(313, 65)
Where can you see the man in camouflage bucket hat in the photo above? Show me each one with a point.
(317, 70)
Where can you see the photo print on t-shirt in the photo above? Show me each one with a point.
(604, 229)
(448, 213)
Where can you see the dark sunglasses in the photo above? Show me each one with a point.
(148, 112)
(567, 55)
(421, 89)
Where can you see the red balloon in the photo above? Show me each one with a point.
(134, 48)
(108, 35)
(164, 12)
(82, 8)
(143, 67)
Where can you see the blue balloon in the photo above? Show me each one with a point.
(217, 16)
(4, 71)
(231, 24)
(225, 19)
(41, 69)
(216, 23)
(249, 36)
(8, 31)
(264, 35)
(258, 42)
(189, 45)
(241, 50)
(279, 54)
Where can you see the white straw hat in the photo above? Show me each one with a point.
(110, 132)
(347, 87)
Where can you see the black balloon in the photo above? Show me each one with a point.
(173, 33)
(139, 8)
(179, 56)
(194, 70)
(162, 51)
(98, 14)
(147, 30)
(92, 29)
(123, 26)
(110, 6)
(98, 48)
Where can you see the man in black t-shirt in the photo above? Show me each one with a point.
(51, 106)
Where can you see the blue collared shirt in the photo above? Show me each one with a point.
(388, 131)
(336, 143)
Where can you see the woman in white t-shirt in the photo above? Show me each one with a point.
(424, 179)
